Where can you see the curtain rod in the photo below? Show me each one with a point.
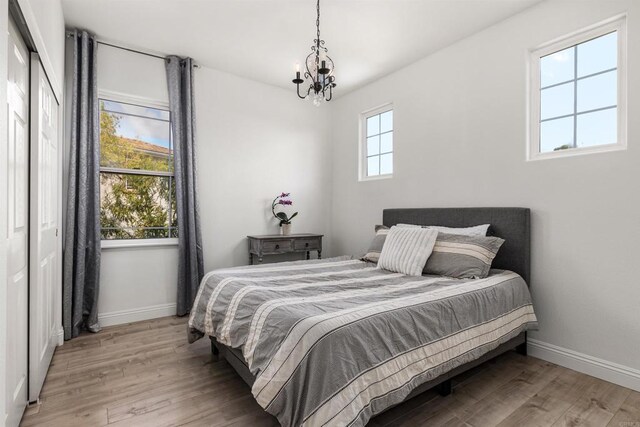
(70, 34)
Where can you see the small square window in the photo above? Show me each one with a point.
(578, 99)
(376, 160)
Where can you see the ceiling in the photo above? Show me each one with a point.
(263, 39)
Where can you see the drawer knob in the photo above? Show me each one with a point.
(277, 246)
(306, 244)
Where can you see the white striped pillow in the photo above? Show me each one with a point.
(406, 250)
(463, 256)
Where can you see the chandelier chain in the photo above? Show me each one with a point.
(318, 25)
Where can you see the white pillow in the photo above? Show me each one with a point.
(476, 230)
(407, 249)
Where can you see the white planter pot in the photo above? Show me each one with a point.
(285, 229)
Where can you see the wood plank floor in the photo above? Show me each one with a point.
(146, 374)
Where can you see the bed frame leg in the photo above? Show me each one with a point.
(522, 348)
(444, 388)
(215, 353)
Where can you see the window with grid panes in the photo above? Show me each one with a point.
(377, 143)
(578, 94)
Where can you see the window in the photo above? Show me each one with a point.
(376, 160)
(137, 189)
(578, 94)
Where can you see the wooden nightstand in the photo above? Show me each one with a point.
(275, 244)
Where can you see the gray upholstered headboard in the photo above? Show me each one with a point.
(511, 224)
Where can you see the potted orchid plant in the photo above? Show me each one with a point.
(285, 220)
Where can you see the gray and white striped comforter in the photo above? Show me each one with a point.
(336, 341)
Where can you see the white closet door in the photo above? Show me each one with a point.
(45, 257)
(18, 226)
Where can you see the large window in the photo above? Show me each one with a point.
(137, 189)
(376, 160)
(577, 94)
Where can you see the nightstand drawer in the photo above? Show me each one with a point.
(276, 246)
(306, 244)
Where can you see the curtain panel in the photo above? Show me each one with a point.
(81, 269)
(183, 122)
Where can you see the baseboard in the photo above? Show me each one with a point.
(137, 314)
(599, 368)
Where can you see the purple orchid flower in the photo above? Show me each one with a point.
(282, 200)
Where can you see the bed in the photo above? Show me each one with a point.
(338, 341)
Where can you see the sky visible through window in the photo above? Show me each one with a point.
(578, 95)
(142, 123)
(380, 144)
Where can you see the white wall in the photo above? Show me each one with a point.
(460, 128)
(46, 24)
(253, 142)
(137, 284)
(131, 74)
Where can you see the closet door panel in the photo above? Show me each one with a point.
(45, 258)
(17, 227)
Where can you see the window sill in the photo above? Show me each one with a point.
(376, 177)
(570, 152)
(138, 243)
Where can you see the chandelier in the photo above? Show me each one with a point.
(319, 71)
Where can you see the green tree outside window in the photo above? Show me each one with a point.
(132, 205)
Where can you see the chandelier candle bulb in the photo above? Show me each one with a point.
(323, 68)
(297, 80)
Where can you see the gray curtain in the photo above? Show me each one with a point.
(183, 122)
(81, 277)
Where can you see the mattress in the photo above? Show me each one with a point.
(336, 341)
